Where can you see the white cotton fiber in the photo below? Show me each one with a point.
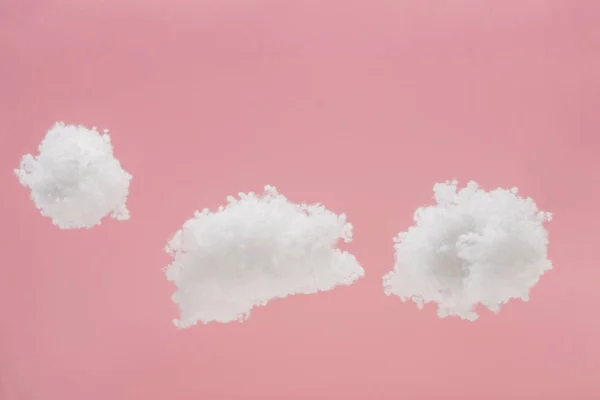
(254, 249)
(75, 179)
(473, 247)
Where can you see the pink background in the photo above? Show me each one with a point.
(362, 105)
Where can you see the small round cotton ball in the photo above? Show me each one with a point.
(75, 179)
(473, 247)
(254, 249)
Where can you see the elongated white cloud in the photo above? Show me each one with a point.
(75, 179)
(254, 249)
(472, 247)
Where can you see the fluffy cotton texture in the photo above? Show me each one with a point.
(473, 247)
(75, 179)
(254, 249)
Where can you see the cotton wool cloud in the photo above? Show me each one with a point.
(76, 179)
(254, 249)
(472, 247)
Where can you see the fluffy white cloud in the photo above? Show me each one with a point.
(75, 179)
(254, 249)
(472, 247)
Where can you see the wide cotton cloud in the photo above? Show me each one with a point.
(255, 249)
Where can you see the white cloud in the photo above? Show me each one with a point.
(254, 249)
(472, 247)
(75, 179)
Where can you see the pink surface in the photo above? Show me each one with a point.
(362, 105)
